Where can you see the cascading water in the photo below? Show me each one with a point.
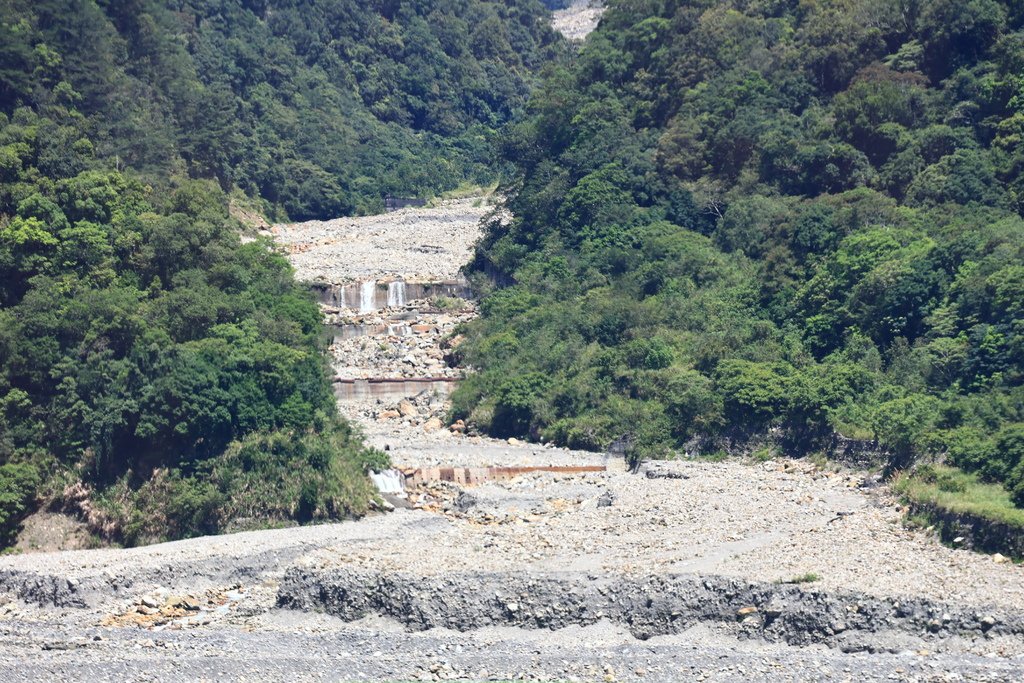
(391, 482)
(367, 296)
(396, 294)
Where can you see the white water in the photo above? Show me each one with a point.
(389, 481)
(368, 295)
(396, 294)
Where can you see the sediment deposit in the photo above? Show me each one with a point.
(687, 570)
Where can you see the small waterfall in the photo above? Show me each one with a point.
(396, 294)
(390, 482)
(368, 296)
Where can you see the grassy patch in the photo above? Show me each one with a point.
(714, 456)
(809, 577)
(951, 489)
(820, 460)
(465, 190)
(764, 454)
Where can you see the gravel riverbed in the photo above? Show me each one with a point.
(689, 570)
(410, 243)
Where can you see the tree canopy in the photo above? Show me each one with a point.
(318, 108)
(148, 357)
(733, 217)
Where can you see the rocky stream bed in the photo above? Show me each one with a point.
(573, 570)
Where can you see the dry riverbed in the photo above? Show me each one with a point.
(413, 244)
(576, 21)
(689, 570)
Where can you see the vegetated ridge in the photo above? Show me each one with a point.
(766, 223)
(318, 108)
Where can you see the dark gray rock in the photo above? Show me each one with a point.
(647, 606)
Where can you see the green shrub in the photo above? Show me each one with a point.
(586, 432)
(754, 392)
(899, 423)
(943, 479)
(265, 479)
(1009, 451)
(648, 354)
(516, 403)
(195, 507)
(18, 485)
(972, 449)
(1016, 486)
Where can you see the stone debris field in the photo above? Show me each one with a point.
(685, 570)
(408, 243)
(578, 19)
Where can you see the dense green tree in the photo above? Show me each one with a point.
(293, 102)
(736, 218)
(140, 342)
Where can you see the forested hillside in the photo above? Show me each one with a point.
(154, 371)
(746, 218)
(317, 107)
(158, 377)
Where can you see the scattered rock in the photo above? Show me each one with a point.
(150, 601)
(665, 473)
(186, 603)
(872, 481)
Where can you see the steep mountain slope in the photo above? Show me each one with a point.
(749, 218)
(317, 107)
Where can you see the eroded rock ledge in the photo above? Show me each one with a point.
(647, 606)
